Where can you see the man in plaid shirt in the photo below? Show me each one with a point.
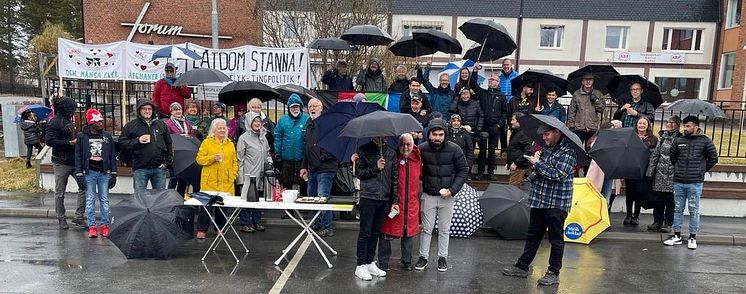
(550, 199)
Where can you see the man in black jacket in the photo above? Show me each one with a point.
(457, 134)
(444, 171)
(61, 136)
(337, 79)
(378, 175)
(405, 105)
(150, 143)
(692, 155)
(491, 101)
(320, 167)
(519, 145)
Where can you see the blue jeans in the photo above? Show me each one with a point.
(250, 217)
(683, 193)
(156, 176)
(97, 185)
(320, 184)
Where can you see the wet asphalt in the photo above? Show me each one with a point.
(37, 258)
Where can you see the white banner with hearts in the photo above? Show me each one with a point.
(140, 67)
(91, 62)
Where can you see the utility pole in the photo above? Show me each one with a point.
(214, 16)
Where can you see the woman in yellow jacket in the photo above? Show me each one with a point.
(217, 156)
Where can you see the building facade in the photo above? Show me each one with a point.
(170, 22)
(731, 68)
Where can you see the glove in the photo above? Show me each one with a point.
(112, 181)
(593, 98)
(467, 128)
(81, 181)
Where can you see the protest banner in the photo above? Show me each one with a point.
(278, 66)
(139, 66)
(91, 62)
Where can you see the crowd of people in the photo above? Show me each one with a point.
(402, 189)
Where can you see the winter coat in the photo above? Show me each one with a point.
(661, 168)
(517, 104)
(290, 134)
(252, 152)
(217, 176)
(406, 223)
(399, 85)
(336, 82)
(371, 82)
(693, 155)
(198, 125)
(31, 132)
(645, 109)
(556, 110)
(422, 119)
(147, 155)
(491, 101)
(470, 112)
(520, 144)
(267, 124)
(174, 129)
(650, 140)
(583, 114)
(377, 184)
(164, 93)
(405, 103)
(463, 139)
(443, 167)
(315, 158)
(84, 152)
(61, 130)
(505, 87)
(440, 98)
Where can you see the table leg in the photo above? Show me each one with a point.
(314, 236)
(304, 231)
(229, 222)
(221, 235)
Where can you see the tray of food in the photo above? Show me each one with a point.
(311, 200)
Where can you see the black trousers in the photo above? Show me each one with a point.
(290, 175)
(372, 214)
(384, 250)
(542, 219)
(632, 189)
(504, 134)
(487, 150)
(203, 220)
(30, 151)
(663, 210)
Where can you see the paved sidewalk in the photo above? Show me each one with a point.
(713, 230)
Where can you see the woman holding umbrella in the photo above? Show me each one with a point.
(661, 170)
(31, 134)
(177, 125)
(371, 78)
(638, 190)
(217, 156)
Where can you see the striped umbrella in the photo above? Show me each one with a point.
(175, 53)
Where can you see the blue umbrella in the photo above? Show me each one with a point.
(41, 112)
(175, 53)
(453, 68)
(331, 122)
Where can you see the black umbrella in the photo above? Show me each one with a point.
(381, 124)
(490, 34)
(696, 107)
(505, 209)
(151, 224)
(287, 89)
(619, 89)
(602, 76)
(542, 80)
(620, 154)
(241, 91)
(366, 35)
(201, 76)
(487, 54)
(438, 41)
(531, 123)
(185, 154)
(331, 44)
(407, 46)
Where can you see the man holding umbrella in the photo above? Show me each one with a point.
(634, 107)
(337, 79)
(444, 171)
(491, 101)
(165, 93)
(550, 200)
(586, 104)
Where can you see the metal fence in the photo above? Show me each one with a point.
(20, 89)
(726, 133)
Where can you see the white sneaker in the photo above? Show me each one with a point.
(374, 270)
(692, 244)
(674, 240)
(361, 271)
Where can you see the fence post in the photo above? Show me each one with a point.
(123, 101)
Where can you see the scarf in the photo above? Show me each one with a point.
(180, 123)
(170, 81)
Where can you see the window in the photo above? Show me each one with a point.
(616, 37)
(293, 25)
(551, 36)
(407, 29)
(734, 14)
(727, 65)
(673, 89)
(682, 39)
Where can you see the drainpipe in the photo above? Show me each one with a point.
(716, 54)
(518, 39)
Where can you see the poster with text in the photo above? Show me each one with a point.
(278, 66)
(140, 67)
(232, 61)
(90, 62)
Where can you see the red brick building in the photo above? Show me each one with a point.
(731, 64)
(170, 21)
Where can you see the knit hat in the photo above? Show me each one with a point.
(93, 116)
(675, 119)
(221, 105)
(174, 105)
(455, 116)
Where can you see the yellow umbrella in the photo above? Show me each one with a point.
(588, 215)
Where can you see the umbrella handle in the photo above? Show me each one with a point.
(481, 49)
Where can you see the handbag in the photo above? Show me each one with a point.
(344, 182)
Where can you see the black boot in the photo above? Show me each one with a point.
(28, 164)
(63, 224)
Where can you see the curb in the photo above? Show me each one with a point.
(733, 240)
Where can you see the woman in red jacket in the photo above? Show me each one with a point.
(404, 225)
(165, 93)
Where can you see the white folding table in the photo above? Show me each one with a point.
(291, 209)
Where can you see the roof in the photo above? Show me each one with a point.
(630, 10)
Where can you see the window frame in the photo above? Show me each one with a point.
(730, 14)
(723, 69)
(623, 38)
(556, 41)
(695, 39)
